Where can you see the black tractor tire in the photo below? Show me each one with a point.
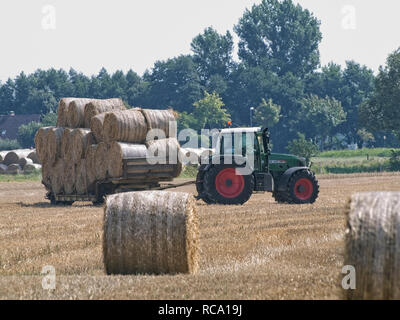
(200, 187)
(223, 186)
(302, 188)
(280, 197)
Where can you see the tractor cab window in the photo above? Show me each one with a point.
(231, 145)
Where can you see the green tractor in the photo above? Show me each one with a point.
(230, 176)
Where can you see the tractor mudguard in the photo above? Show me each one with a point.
(283, 181)
(219, 159)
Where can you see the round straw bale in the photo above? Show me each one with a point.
(63, 111)
(94, 108)
(41, 143)
(373, 245)
(56, 172)
(13, 157)
(154, 232)
(75, 113)
(46, 175)
(90, 158)
(69, 177)
(79, 140)
(159, 119)
(81, 178)
(119, 151)
(54, 136)
(66, 144)
(24, 161)
(166, 151)
(32, 167)
(3, 168)
(34, 157)
(2, 155)
(96, 126)
(14, 169)
(101, 161)
(125, 126)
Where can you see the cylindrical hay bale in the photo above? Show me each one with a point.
(14, 169)
(99, 106)
(80, 139)
(119, 151)
(24, 161)
(69, 177)
(66, 144)
(63, 111)
(13, 157)
(34, 157)
(165, 151)
(54, 136)
(152, 232)
(101, 161)
(81, 178)
(2, 155)
(32, 167)
(159, 119)
(3, 168)
(91, 166)
(46, 176)
(41, 143)
(125, 126)
(56, 173)
(96, 126)
(373, 245)
(76, 113)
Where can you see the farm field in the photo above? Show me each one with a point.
(261, 250)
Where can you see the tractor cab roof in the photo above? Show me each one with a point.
(239, 130)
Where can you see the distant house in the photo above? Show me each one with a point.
(9, 124)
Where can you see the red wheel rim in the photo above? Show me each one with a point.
(303, 189)
(229, 184)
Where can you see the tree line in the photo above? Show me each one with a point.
(277, 82)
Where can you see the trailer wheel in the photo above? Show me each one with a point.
(223, 186)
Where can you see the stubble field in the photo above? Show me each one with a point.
(261, 250)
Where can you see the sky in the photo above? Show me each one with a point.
(121, 35)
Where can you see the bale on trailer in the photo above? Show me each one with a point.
(90, 158)
(69, 177)
(14, 169)
(79, 140)
(373, 245)
(46, 176)
(54, 136)
(13, 157)
(66, 144)
(151, 232)
(119, 151)
(96, 126)
(41, 143)
(99, 106)
(81, 178)
(125, 126)
(166, 151)
(63, 111)
(101, 161)
(56, 173)
(24, 161)
(32, 167)
(159, 119)
(33, 156)
(76, 113)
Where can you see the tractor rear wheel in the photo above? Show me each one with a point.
(223, 185)
(200, 187)
(302, 188)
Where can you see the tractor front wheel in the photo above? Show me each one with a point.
(302, 188)
(223, 185)
(200, 187)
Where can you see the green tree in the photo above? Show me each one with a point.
(322, 116)
(26, 134)
(381, 111)
(281, 36)
(209, 112)
(267, 114)
(212, 53)
(302, 147)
